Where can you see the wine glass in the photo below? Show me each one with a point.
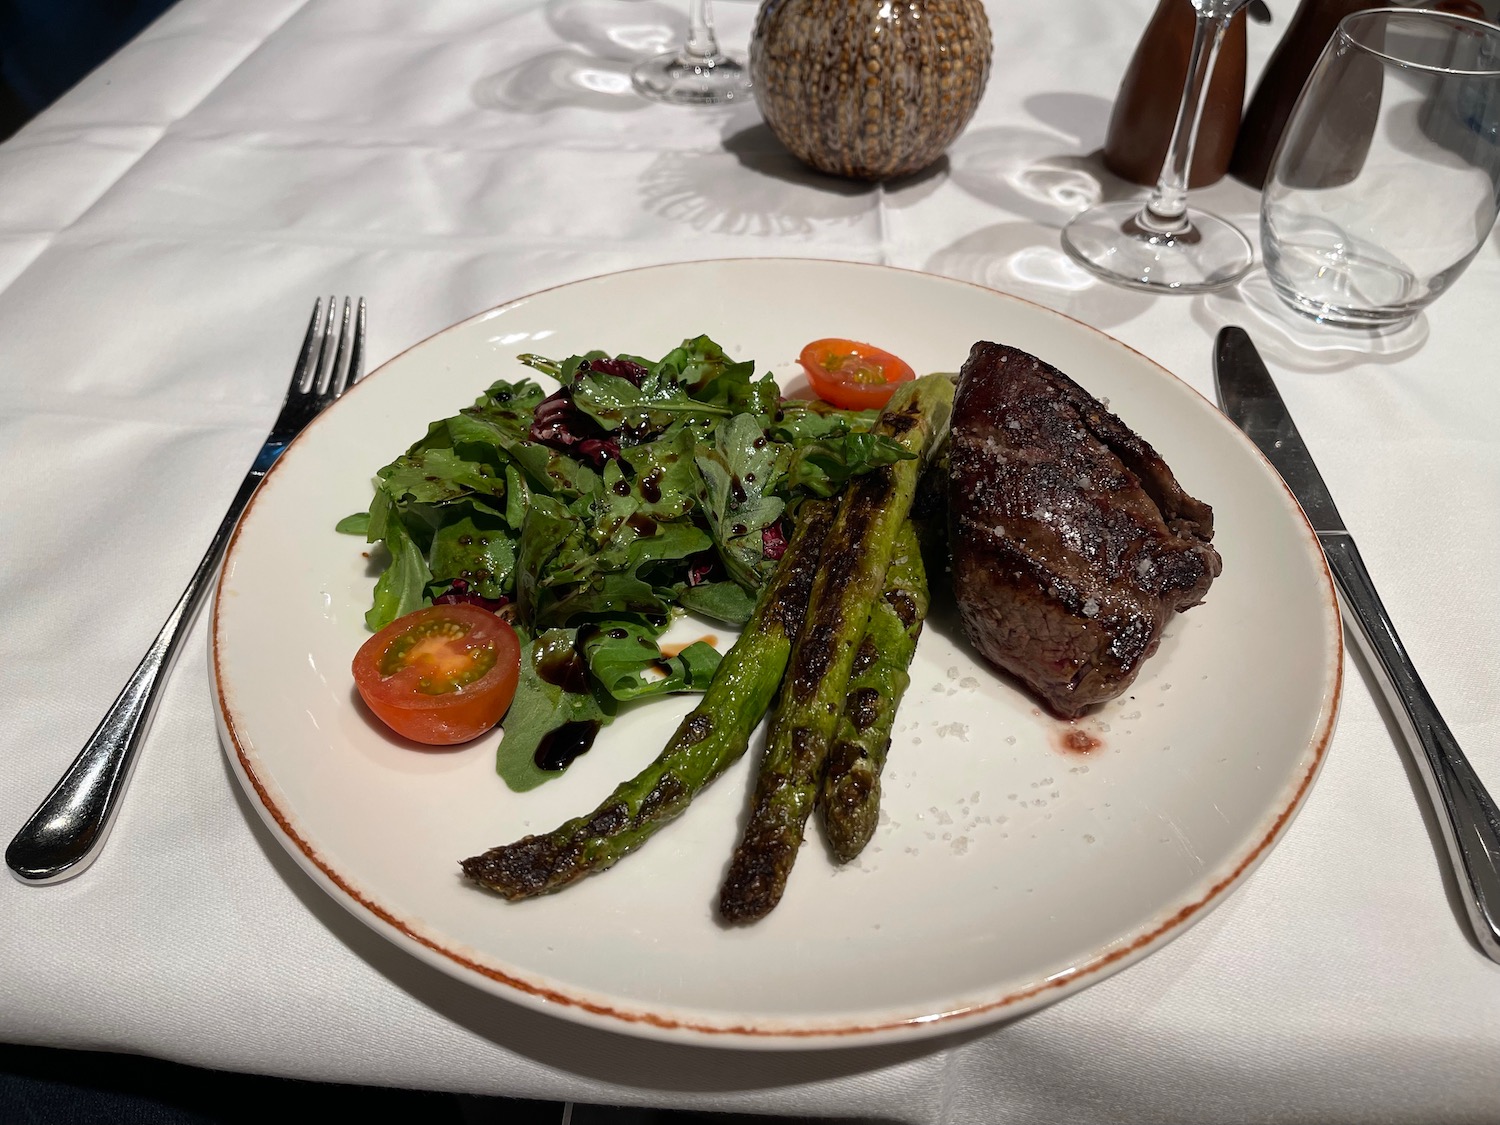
(1164, 245)
(697, 73)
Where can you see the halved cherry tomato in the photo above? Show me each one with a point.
(441, 675)
(852, 375)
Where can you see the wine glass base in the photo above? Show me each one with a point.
(1114, 242)
(678, 78)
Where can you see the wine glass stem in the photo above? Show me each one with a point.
(702, 47)
(1166, 210)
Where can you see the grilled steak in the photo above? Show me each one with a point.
(1072, 542)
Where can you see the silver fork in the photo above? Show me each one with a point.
(65, 833)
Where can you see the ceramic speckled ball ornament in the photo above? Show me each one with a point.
(869, 89)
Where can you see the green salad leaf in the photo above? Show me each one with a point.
(618, 404)
(545, 703)
(627, 663)
(824, 467)
(742, 472)
(722, 601)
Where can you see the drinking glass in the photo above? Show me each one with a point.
(1385, 183)
(1165, 245)
(697, 73)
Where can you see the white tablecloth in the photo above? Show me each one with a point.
(164, 228)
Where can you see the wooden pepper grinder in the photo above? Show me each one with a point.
(1146, 107)
(1287, 70)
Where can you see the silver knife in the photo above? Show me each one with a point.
(1469, 818)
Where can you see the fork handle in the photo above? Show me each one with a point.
(1469, 818)
(65, 833)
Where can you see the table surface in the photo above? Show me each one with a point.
(165, 226)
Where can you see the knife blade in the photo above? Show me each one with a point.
(1250, 398)
(1468, 815)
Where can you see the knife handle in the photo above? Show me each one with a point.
(1469, 818)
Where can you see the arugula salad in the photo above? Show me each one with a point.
(592, 516)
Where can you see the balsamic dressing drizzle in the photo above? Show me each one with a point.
(558, 748)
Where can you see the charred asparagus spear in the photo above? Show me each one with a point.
(850, 797)
(851, 575)
(712, 736)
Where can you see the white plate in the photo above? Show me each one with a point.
(1007, 871)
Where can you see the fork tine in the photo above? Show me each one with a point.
(327, 354)
(357, 351)
(338, 374)
(307, 362)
